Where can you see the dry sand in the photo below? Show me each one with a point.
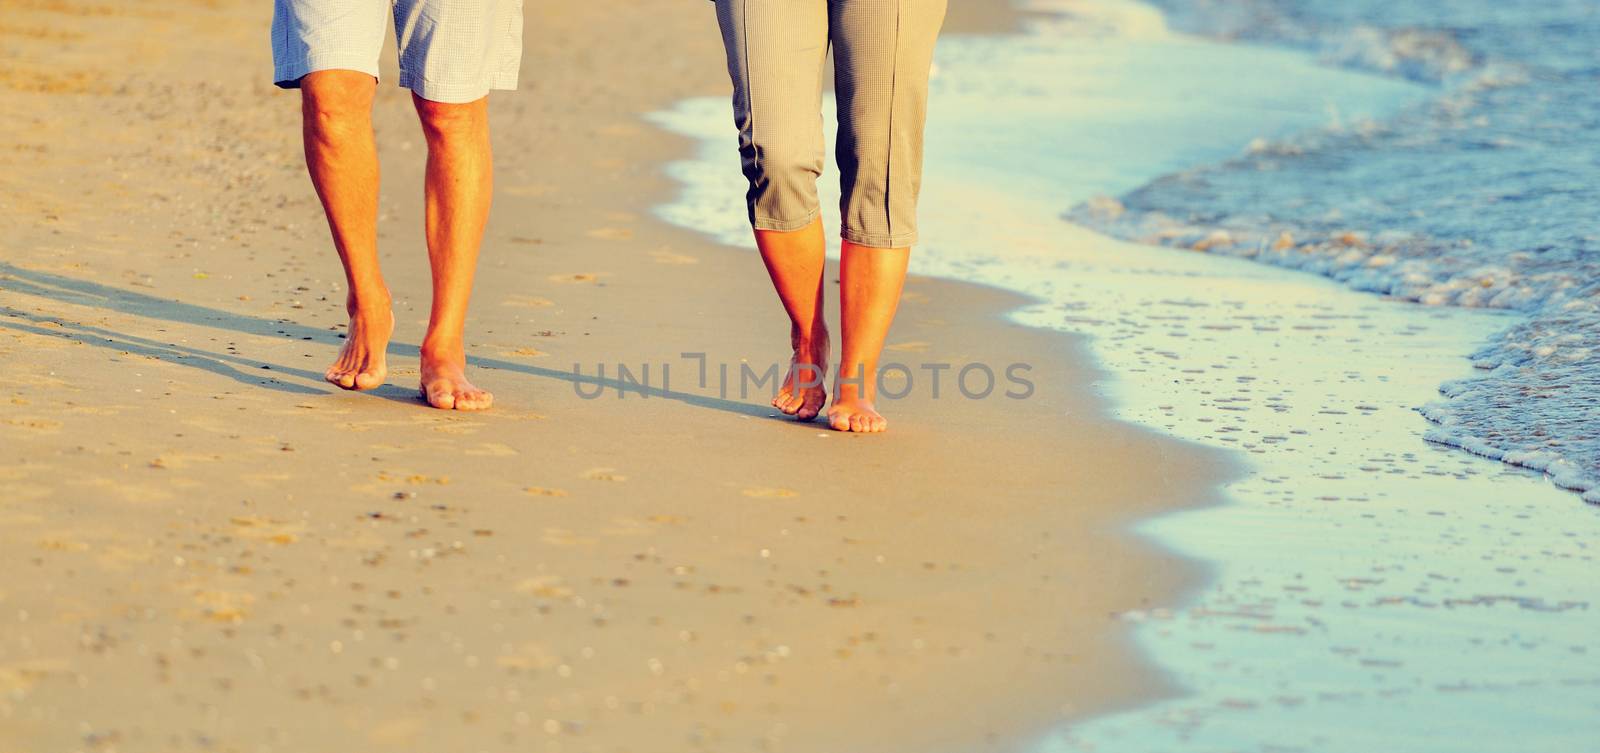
(205, 547)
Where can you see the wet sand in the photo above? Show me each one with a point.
(207, 548)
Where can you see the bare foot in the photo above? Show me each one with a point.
(361, 365)
(802, 394)
(852, 410)
(445, 385)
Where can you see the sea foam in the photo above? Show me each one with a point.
(1481, 197)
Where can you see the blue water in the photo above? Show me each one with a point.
(1484, 196)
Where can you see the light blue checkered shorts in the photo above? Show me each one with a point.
(450, 50)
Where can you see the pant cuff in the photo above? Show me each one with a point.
(879, 240)
(785, 226)
(288, 75)
(454, 94)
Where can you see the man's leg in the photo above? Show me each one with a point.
(336, 109)
(459, 186)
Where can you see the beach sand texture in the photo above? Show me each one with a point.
(208, 548)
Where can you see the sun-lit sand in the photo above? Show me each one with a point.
(208, 548)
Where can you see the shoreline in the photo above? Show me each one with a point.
(364, 563)
(1435, 258)
(1350, 541)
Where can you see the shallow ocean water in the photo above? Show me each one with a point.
(1370, 590)
(1481, 196)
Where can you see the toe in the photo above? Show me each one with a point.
(473, 400)
(443, 399)
(839, 421)
(367, 380)
(877, 424)
(855, 422)
(347, 380)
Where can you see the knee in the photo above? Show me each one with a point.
(784, 181)
(783, 163)
(446, 122)
(335, 102)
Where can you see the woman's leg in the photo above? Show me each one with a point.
(775, 52)
(870, 280)
(882, 52)
(795, 262)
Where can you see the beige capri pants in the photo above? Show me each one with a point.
(882, 51)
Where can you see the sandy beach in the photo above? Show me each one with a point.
(208, 548)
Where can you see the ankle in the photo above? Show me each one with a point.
(368, 301)
(443, 351)
(808, 338)
(855, 382)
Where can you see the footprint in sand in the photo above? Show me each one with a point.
(664, 256)
(40, 424)
(493, 450)
(545, 491)
(266, 529)
(769, 492)
(576, 278)
(611, 233)
(224, 606)
(544, 586)
(402, 731)
(528, 302)
(564, 537)
(63, 544)
(527, 189)
(126, 492)
(92, 410)
(604, 474)
(414, 478)
(628, 527)
(180, 460)
(18, 679)
(327, 408)
(525, 352)
(257, 480)
(528, 656)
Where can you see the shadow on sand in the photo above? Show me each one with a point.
(253, 372)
